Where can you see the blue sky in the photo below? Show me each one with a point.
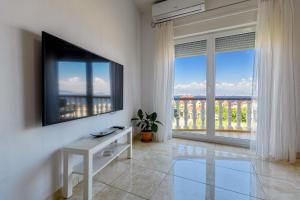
(234, 65)
(72, 78)
(101, 78)
(101, 69)
(71, 69)
(234, 71)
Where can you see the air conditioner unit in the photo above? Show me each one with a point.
(172, 9)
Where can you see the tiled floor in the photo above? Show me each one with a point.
(188, 170)
(224, 133)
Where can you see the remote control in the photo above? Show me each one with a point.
(119, 127)
(103, 133)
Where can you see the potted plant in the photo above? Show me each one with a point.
(148, 124)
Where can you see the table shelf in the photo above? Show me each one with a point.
(100, 161)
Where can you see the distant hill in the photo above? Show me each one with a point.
(66, 92)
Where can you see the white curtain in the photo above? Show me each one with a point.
(274, 82)
(164, 78)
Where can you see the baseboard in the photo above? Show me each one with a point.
(76, 179)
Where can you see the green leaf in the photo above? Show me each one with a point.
(138, 124)
(140, 114)
(153, 116)
(147, 122)
(134, 119)
(147, 115)
(154, 128)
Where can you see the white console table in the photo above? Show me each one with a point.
(93, 161)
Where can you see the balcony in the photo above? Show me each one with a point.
(232, 115)
(75, 106)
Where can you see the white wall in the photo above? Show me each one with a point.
(147, 62)
(30, 156)
(219, 15)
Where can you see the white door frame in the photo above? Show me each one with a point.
(210, 90)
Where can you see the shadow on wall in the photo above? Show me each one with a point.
(31, 69)
(38, 179)
(32, 78)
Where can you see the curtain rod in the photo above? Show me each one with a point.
(153, 24)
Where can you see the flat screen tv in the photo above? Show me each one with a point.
(77, 83)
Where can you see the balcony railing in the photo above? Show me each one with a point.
(232, 114)
(75, 106)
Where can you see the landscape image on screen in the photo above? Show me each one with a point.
(78, 83)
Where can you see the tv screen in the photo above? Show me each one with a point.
(77, 83)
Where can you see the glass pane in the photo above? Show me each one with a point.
(190, 93)
(101, 87)
(234, 72)
(72, 86)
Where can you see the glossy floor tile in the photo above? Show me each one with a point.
(277, 189)
(224, 159)
(233, 180)
(111, 193)
(153, 160)
(139, 180)
(279, 170)
(111, 172)
(176, 188)
(78, 190)
(188, 170)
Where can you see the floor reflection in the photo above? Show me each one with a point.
(189, 170)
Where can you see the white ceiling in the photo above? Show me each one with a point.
(144, 5)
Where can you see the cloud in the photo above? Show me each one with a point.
(101, 86)
(74, 79)
(192, 85)
(193, 88)
(76, 85)
(241, 88)
(72, 85)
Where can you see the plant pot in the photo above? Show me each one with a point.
(146, 136)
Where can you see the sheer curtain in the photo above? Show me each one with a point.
(164, 78)
(274, 82)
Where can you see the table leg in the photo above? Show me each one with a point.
(88, 177)
(67, 179)
(129, 141)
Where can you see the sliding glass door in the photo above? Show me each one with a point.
(190, 87)
(213, 87)
(234, 61)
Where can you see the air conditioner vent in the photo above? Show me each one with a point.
(172, 9)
